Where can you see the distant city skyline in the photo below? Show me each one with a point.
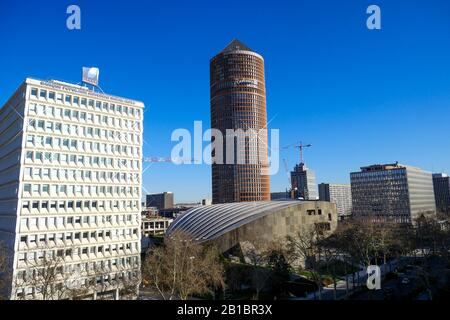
(359, 96)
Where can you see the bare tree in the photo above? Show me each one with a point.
(52, 278)
(260, 276)
(303, 249)
(431, 236)
(330, 259)
(280, 268)
(5, 275)
(384, 239)
(357, 243)
(43, 275)
(129, 287)
(182, 268)
(432, 239)
(258, 259)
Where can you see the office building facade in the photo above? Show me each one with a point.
(441, 183)
(70, 189)
(277, 196)
(161, 201)
(392, 192)
(340, 194)
(238, 102)
(304, 183)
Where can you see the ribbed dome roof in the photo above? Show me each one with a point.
(209, 222)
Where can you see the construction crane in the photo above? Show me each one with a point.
(301, 147)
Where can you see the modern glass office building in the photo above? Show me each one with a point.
(70, 190)
(441, 182)
(392, 192)
(238, 102)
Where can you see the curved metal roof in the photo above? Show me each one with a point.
(209, 222)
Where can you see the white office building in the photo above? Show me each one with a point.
(340, 194)
(70, 190)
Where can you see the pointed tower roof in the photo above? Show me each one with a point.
(236, 45)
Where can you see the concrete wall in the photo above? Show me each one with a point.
(280, 224)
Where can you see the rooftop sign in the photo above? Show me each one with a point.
(80, 90)
(91, 75)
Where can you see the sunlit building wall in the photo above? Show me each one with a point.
(70, 185)
(238, 101)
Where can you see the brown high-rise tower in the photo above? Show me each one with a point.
(238, 101)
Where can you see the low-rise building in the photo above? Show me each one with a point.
(178, 210)
(155, 226)
(150, 212)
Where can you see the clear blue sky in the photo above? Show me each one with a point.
(360, 96)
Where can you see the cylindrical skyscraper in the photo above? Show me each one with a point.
(238, 107)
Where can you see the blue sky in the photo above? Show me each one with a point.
(359, 96)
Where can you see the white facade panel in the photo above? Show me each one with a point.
(72, 183)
